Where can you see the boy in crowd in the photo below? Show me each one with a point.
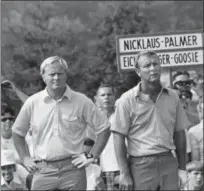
(195, 176)
(105, 99)
(9, 178)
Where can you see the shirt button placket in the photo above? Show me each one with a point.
(56, 120)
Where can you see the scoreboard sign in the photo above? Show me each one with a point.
(178, 49)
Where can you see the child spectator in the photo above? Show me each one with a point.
(195, 176)
(9, 178)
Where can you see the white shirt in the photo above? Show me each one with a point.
(108, 161)
(7, 144)
(93, 172)
(61, 123)
(196, 137)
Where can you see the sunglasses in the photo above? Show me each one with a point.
(7, 118)
(183, 83)
(184, 97)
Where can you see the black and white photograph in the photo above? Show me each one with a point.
(102, 95)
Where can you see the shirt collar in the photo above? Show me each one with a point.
(138, 90)
(67, 93)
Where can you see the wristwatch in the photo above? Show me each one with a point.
(90, 155)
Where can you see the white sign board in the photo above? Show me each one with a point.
(173, 49)
(167, 59)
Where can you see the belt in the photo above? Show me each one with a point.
(154, 155)
(52, 161)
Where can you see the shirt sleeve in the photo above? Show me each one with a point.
(95, 118)
(22, 122)
(121, 118)
(182, 121)
(193, 142)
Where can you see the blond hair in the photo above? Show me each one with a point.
(53, 59)
(143, 53)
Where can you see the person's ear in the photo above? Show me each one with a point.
(95, 99)
(43, 78)
(137, 70)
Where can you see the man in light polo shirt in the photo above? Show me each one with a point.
(153, 120)
(58, 117)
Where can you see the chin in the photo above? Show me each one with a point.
(156, 80)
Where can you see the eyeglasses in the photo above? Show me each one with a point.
(184, 97)
(184, 83)
(7, 118)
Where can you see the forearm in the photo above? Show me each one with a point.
(21, 146)
(22, 96)
(100, 143)
(121, 152)
(180, 143)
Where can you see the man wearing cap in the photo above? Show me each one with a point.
(59, 117)
(153, 121)
(9, 178)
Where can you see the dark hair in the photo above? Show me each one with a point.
(105, 86)
(143, 53)
(8, 110)
(178, 73)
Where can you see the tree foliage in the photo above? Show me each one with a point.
(84, 34)
(39, 33)
(120, 19)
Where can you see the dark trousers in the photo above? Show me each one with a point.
(155, 172)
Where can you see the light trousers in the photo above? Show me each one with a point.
(61, 175)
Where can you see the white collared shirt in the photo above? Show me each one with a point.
(108, 161)
(58, 127)
(196, 138)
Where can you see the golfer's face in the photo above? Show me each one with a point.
(55, 76)
(149, 68)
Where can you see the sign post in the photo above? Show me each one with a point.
(173, 49)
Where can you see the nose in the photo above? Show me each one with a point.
(152, 67)
(56, 76)
(199, 176)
